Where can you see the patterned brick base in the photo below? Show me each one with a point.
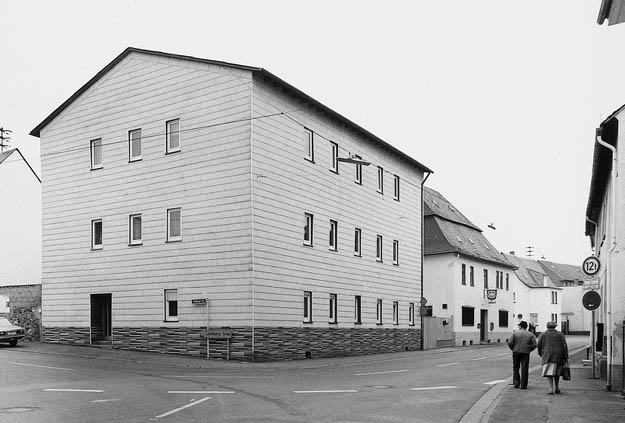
(270, 344)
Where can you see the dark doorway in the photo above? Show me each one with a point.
(483, 325)
(101, 318)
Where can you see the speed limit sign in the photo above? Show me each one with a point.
(591, 266)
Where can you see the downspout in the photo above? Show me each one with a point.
(609, 278)
(422, 248)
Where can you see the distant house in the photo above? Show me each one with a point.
(20, 221)
(575, 318)
(461, 269)
(187, 198)
(537, 299)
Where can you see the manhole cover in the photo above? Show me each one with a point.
(18, 409)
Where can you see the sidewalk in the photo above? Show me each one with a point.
(583, 400)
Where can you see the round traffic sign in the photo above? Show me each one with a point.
(591, 300)
(591, 266)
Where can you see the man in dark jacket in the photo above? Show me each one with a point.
(522, 343)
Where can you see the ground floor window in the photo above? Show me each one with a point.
(307, 307)
(411, 314)
(468, 316)
(171, 305)
(357, 309)
(503, 318)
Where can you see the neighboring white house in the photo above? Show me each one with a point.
(537, 299)
(605, 226)
(20, 221)
(460, 267)
(170, 180)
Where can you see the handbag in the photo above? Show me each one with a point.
(566, 371)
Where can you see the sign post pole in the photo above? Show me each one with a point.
(208, 342)
(592, 346)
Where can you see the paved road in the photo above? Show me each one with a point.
(430, 386)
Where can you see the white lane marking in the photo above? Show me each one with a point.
(200, 392)
(74, 390)
(226, 376)
(501, 355)
(330, 391)
(448, 364)
(382, 373)
(433, 387)
(106, 400)
(169, 413)
(495, 382)
(479, 358)
(42, 367)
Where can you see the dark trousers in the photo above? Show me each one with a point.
(520, 368)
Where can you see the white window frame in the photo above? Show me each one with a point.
(170, 296)
(334, 166)
(395, 252)
(395, 312)
(380, 180)
(358, 179)
(308, 229)
(379, 248)
(131, 226)
(95, 246)
(411, 314)
(357, 309)
(171, 135)
(308, 308)
(309, 145)
(171, 237)
(358, 242)
(378, 312)
(396, 188)
(132, 137)
(333, 318)
(333, 235)
(96, 146)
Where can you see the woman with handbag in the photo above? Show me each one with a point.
(554, 351)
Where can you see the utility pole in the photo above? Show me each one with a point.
(4, 138)
(530, 251)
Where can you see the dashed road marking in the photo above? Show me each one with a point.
(495, 382)
(448, 364)
(433, 388)
(106, 400)
(329, 391)
(74, 390)
(479, 358)
(382, 373)
(41, 367)
(200, 392)
(169, 413)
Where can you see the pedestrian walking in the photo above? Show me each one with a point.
(522, 343)
(554, 351)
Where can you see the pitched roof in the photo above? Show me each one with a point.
(530, 272)
(561, 273)
(5, 155)
(447, 230)
(256, 70)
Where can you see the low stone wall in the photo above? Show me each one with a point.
(23, 308)
(270, 344)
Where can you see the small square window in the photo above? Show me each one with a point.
(378, 248)
(334, 228)
(174, 225)
(134, 145)
(173, 136)
(136, 236)
(380, 180)
(396, 186)
(96, 154)
(307, 307)
(357, 242)
(333, 308)
(171, 305)
(334, 166)
(308, 229)
(309, 145)
(396, 252)
(96, 234)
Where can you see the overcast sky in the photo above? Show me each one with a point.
(499, 98)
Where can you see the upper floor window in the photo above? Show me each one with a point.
(380, 180)
(96, 234)
(554, 297)
(378, 248)
(308, 229)
(135, 232)
(471, 276)
(134, 145)
(173, 136)
(464, 274)
(507, 281)
(396, 185)
(307, 307)
(334, 166)
(174, 225)
(309, 145)
(96, 154)
(357, 242)
(334, 229)
(485, 278)
(171, 305)
(358, 179)
(395, 252)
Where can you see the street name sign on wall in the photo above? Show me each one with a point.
(591, 300)
(198, 301)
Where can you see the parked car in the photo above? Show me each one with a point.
(9, 332)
